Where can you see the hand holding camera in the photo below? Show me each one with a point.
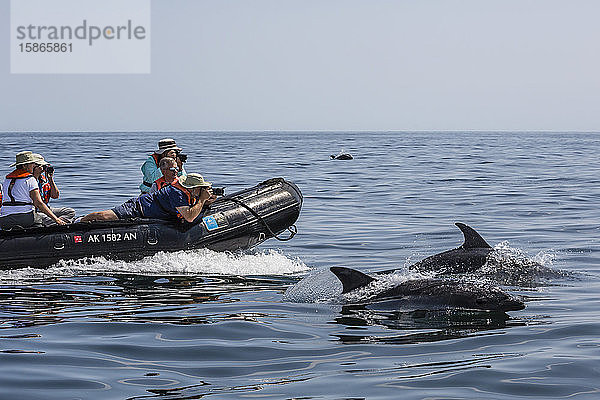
(218, 191)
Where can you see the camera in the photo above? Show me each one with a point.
(49, 169)
(182, 157)
(218, 191)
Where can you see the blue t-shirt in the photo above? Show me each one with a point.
(162, 204)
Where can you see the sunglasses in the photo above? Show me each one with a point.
(174, 169)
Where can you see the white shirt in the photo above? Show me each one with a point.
(20, 192)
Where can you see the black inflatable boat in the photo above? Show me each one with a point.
(237, 221)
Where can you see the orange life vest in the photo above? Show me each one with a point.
(161, 182)
(178, 186)
(18, 174)
(13, 176)
(185, 191)
(156, 158)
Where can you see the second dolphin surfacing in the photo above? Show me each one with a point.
(469, 257)
(437, 292)
(475, 253)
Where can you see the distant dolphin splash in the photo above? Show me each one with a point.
(430, 292)
(342, 155)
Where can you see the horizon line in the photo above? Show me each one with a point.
(309, 131)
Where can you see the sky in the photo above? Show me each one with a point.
(361, 65)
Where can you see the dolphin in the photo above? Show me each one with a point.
(341, 156)
(428, 292)
(469, 257)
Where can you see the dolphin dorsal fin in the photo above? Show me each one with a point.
(473, 240)
(351, 279)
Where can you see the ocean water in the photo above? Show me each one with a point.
(200, 324)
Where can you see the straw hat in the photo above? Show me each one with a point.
(166, 145)
(39, 159)
(191, 181)
(24, 157)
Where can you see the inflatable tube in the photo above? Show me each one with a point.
(237, 221)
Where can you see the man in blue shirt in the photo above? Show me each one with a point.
(184, 199)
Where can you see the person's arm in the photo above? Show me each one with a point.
(190, 213)
(210, 200)
(54, 193)
(37, 201)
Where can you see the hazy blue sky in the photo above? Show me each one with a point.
(334, 65)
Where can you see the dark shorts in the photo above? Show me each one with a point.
(129, 209)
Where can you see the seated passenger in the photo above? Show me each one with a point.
(49, 190)
(21, 195)
(150, 168)
(169, 169)
(186, 197)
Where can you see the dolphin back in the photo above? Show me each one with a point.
(473, 240)
(351, 279)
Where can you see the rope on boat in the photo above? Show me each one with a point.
(292, 229)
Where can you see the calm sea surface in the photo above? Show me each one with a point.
(200, 324)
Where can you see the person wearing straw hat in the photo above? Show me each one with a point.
(184, 199)
(49, 190)
(21, 195)
(166, 148)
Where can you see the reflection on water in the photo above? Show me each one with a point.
(178, 299)
(430, 325)
(122, 298)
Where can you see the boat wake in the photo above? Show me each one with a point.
(185, 262)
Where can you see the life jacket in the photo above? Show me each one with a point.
(13, 176)
(177, 186)
(161, 183)
(45, 188)
(156, 158)
(185, 191)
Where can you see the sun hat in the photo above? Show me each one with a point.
(39, 159)
(166, 145)
(191, 181)
(24, 157)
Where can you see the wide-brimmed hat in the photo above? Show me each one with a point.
(166, 145)
(191, 181)
(24, 157)
(39, 159)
